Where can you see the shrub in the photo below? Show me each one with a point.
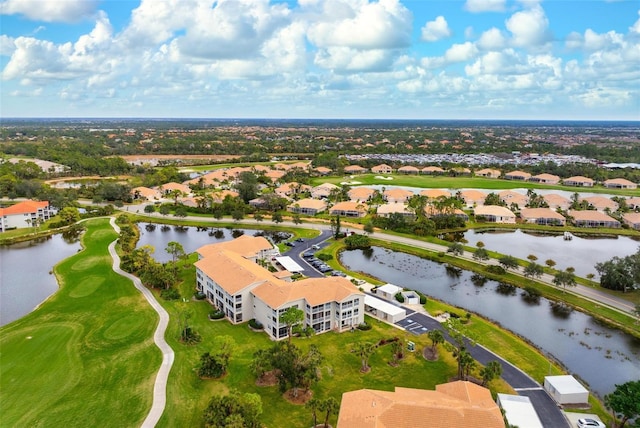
(399, 297)
(423, 298)
(170, 294)
(441, 254)
(255, 324)
(495, 269)
(364, 326)
(216, 314)
(199, 295)
(325, 257)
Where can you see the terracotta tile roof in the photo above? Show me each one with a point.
(554, 199)
(349, 206)
(523, 174)
(590, 215)
(167, 187)
(315, 291)
(432, 169)
(24, 207)
(435, 193)
(473, 195)
(245, 245)
(601, 202)
(232, 271)
(619, 182)
(360, 193)
(578, 179)
(408, 168)
(397, 193)
(316, 204)
(541, 213)
(453, 405)
(547, 177)
(494, 210)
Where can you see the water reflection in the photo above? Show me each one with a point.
(599, 355)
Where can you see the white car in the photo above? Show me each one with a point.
(590, 423)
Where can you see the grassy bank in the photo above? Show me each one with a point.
(86, 356)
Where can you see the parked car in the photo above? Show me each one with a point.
(300, 240)
(590, 423)
(290, 244)
(315, 247)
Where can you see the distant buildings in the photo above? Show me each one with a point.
(25, 214)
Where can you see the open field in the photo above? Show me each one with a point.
(85, 357)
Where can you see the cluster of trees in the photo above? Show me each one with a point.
(214, 364)
(234, 410)
(620, 273)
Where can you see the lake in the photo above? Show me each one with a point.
(601, 356)
(25, 275)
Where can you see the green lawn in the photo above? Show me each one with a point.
(455, 183)
(86, 357)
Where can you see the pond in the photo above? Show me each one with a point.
(25, 278)
(192, 238)
(600, 356)
(582, 252)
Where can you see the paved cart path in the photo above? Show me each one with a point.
(160, 385)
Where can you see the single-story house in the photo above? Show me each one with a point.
(408, 169)
(435, 193)
(349, 209)
(633, 203)
(397, 195)
(323, 170)
(519, 411)
(632, 219)
(25, 214)
(360, 194)
(544, 216)
(432, 211)
(488, 173)
(458, 404)
(291, 189)
(601, 203)
(168, 188)
(517, 175)
(383, 310)
(275, 175)
(323, 190)
(545, 179)
(147, 193)
(619, 183)
(590, 218)
(557, 201)
(510, 197)
(565, 389)
(382, 169)
(354, 169)
(432, 170)
(388, 292)
(308, 206)
(386, 210)
(578, 181)
(473, 197)
(460, 170)
(495, 214)
(219, 195)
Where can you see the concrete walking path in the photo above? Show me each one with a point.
(160, 385)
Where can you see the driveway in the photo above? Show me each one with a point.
(296, 253)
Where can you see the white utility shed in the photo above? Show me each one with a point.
(383, 310)
(289, 264)
(566, 390)
(519, 411)
(388, 291)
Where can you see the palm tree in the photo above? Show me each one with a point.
(436, 337)
(364, 351)
(329, 406)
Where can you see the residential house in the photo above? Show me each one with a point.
(495, 214)
(408, 169)
(601, 203)
(308, 206)
(459, 170)
(510, 197)
(578, 181)
(169, 189)
(360, 194)
(354, 169)
(545, 179)
(458, 404)
(488, 173)
(619, 183)
(431, 211)
(556, 201)
(323, 190)
(275, 175)
(397, 195)
(323, 170)
(473, 197)
(435, 193)
(590, 218)
(289, 190)
(432, 170)
(632, 219)
(386, 210)
(349, 209)
(544, 216)
(633, 203)
(25, 214)
(517, 175)
(382, 169)
(145, 193)
(219, 195)
(233, 282)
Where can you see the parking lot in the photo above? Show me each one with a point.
(414, 324)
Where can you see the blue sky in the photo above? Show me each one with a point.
(428, 59)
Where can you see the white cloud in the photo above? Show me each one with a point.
(460, 52)
(7, 45)
(530, 28)
(436, 30)
(476, 6)
(50, 10)
(635, 28)
(492, 40)
(342, 59)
